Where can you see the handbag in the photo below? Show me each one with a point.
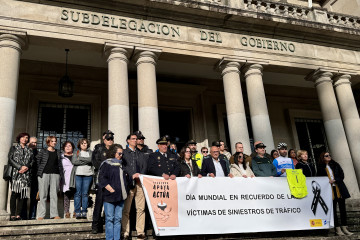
(7, 174)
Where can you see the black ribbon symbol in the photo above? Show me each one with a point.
(317, 198)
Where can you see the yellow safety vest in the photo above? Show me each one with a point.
(297, 182)
(198, 157)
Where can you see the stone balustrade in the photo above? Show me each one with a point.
(344, 20)
(283, 9)
(277, 8)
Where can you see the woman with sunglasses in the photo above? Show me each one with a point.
(188, 167)
(114, 181)
(241, 168)
(328, 167)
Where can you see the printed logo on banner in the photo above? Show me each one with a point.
(316, 222)
(316, 189)
(163, 196)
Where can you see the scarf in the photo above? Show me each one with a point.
(20, 183)
(336, 186)
(118, 163)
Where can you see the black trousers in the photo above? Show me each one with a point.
(97, 222)
(15, 211)
(342, 208)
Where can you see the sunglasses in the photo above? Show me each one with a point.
(120, 153)
(109, 139)
(327, 155)
(205, 152)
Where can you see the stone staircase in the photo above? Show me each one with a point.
(64, 229)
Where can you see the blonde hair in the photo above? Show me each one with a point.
(299, 153)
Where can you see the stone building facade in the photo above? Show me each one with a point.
(238, 70)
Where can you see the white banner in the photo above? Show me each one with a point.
(235, 205)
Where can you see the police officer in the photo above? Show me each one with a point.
(163, 163)
(140, 143)
(197, 157)
(98, 156)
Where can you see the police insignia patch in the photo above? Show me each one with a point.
(159, 158)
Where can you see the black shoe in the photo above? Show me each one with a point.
(18, 219)
(12, 218)
(94, 231)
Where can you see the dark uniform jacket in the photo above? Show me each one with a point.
(185, 169)
(146, 151)
(134, 161)
(209, 167)
(98, 155)
(159, 164)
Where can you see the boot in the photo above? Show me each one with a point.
(346, 231)
(339, 232)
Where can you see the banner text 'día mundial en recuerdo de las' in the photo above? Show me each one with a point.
(235, 205)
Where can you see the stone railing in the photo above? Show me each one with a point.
(277, 8)
(287, 10)
(343, 20)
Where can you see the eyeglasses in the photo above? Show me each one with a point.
(120, 153)
(327, 155)
(205, 151)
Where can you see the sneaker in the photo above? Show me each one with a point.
(78, 216)
(83, 215)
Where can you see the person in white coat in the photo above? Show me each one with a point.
(241, 168)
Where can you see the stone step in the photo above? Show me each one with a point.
(42, 222)
(44, 229)
(58, 236)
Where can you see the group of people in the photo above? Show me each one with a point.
(113, 172)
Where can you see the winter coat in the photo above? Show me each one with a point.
(338, 176)
(43, 157)
(263, 167)
(239, 171)
(18, 157)
(185, 169)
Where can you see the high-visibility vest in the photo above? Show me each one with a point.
(198, 157)
(297, 182)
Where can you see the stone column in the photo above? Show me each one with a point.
(235, 110)
(10, 51)
(334, 128)
(119, 112)
(147, 97)
(350, 118)
(260, 120)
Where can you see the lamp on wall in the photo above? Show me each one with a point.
(66, 85)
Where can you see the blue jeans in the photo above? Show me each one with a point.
(113, 214)
(81, 197)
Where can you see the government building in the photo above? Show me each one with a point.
(237, 70)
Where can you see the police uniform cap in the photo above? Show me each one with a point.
(139, 135)
(192, 141)
(260, 145)
(162, 140)
(215, 143)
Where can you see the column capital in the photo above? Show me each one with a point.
(341, 79)
(319, 76)
(146, 55)
(229, 67)
(16, 41)
(252, 69)
(118, 51)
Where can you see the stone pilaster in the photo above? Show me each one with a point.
(118, 89)
(259, 114)
(147, 96)
(10, 51)
(350, 118)
(334, 128)
(235, 110)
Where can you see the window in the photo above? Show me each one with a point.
(68, 122)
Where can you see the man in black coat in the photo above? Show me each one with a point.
(214, 166)
(163, 163)
(135, 164)
(98, 156)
